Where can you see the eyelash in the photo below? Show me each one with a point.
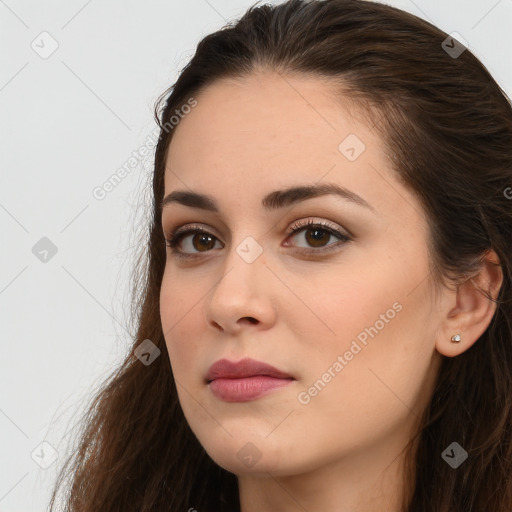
(175, 238)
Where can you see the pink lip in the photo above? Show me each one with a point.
(244, 380)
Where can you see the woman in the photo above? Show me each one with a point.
(325, 319)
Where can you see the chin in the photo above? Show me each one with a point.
(232, 463)
(240, 455)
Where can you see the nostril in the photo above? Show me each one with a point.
(218, 326)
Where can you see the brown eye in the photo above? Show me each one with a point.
(317, 237)
(195, 240)
(202, 241)
(192, 241)
(312, 235)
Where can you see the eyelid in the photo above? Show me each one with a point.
(301, 223)
(325, 224)
(193, 227)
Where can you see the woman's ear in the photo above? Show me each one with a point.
(470, 309)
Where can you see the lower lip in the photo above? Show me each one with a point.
(248, 388)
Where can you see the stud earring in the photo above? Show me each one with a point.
(456, 338)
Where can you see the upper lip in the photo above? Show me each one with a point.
(223, 368)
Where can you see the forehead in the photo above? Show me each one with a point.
(262, 107)
(264, 131)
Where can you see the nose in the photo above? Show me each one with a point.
(242, 295)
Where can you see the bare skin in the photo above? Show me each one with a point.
(339, 447)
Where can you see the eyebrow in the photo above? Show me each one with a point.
(272, 201)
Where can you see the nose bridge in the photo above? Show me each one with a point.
(245, 261)
(246, 248)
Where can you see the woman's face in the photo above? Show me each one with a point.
(348, 317)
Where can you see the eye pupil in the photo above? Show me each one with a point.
(320, 235)
(203, 238)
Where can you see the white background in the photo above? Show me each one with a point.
(68, 122)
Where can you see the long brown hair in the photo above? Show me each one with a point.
(447, 126)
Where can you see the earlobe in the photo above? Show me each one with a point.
(473, 308)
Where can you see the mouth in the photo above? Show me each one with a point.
(244, 380)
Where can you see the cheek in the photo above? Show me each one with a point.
(344, 306)
(385, 338)
(376, 320)
(180, 312)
